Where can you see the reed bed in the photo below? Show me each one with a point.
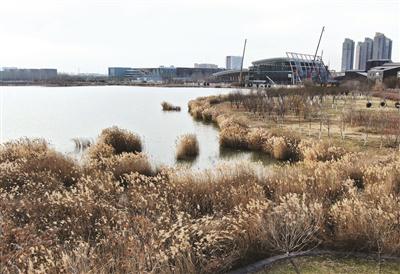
(108, 214)
(169, 107)
(187, 148)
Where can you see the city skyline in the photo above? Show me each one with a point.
(90, 36)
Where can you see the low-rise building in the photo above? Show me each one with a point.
(17, 74)
(381, 73)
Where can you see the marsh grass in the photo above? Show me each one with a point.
(117, 216)
(169, 107)
(120, 140)
(187, 147)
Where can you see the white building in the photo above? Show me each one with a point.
(206, 66)
(233, 62)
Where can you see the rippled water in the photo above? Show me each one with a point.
(59, 114)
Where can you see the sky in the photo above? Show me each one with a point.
(88, 36)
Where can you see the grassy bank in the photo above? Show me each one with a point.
(113, 213)
(329, 264)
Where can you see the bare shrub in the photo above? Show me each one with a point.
(293, 225)
(169, 107)
(188, 147)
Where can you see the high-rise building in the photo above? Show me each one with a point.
(382, 48)
(363, 53)
(347, 54)
(233, 62)
(358, 55)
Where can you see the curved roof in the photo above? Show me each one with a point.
(268, 60)
(227, 72)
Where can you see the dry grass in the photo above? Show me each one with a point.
(187, 148)
(115, 218)
(169, 107)
(121, 140)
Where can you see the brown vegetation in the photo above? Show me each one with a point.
(169, 107)
(187, 148)
(112, 214)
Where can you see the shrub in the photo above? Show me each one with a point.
(169, 107)
(187, 148)
(293, 224)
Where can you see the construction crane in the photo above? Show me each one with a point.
(319, 41)
(316, 52)
(241, 66)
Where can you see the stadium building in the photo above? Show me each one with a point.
(293, 69)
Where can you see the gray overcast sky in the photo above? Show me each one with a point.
(91, 35)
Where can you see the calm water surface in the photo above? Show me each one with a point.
(59, 114)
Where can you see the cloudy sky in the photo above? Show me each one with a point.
(91, 35)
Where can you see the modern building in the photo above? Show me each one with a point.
(162, 74)
(379, 74)
(376, 63)
(230, 76)
(16, 74)
(234, 62)
(296, 68)
(382, 48)
(363, 53)
(347, 54)
(207, 66)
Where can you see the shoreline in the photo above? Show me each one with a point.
(112, 83)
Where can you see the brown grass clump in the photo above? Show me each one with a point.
(187, 148)
(127, 163)
(115, 141)
(169, 107)
(320, 151)
(23, 159)
(233, 136)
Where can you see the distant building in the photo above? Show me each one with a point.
(347, 54)
(16, 74)
(206, 66)
(363, 54)
(382, 48)
(376, 63)
(379, 74)
(296, 68)
(233, 62)
(162, 74)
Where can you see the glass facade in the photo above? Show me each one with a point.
(294, 69)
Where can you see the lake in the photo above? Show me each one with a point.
(59, 114)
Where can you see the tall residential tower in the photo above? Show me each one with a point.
(363, 53)
(347, 54)
(382, 47)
